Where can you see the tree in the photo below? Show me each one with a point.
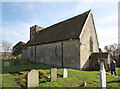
(114, 51)
(17, 49)
(6, 46)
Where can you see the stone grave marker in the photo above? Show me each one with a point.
(53, 74)
(102, 76)
(6, 63)
(33, 78)
(65, 73)
(84, 83)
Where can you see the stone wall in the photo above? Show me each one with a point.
(64, 54)
(34, 30)
(58, 53)
(31, 53)
(71, 54)
(28, 53)
(85, 51)
(24, 54)
(49, 53)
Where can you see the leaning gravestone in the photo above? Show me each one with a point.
(33, 78)
(65, 73)
(53, 74)
(102, 75)
(6, 64)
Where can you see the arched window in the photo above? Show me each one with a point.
(91, 44)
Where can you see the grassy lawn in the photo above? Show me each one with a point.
(118, 71)
(75, 77)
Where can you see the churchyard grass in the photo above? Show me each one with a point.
(75, 77)
(118, 70)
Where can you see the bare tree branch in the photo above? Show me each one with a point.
(6, 46)
(114, 51)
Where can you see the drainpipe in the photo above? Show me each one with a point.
(62, 53)
(79, 44)
(35, 54)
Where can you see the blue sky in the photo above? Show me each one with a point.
(17, 17)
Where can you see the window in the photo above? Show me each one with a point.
(91, 44)
(31, 53)
(56, 50)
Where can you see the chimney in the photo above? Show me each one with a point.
(36, 28)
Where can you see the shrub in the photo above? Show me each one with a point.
(24, 80)
(25, 76)
(22, 83)
(42, 73)
(27, 69)
(20, 77)
(48, 78)
(17, 62)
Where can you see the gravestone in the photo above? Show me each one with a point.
(53, 74)
(65, 73)
(102, 76)
(84, 83)
(6, 63)
(33, 78)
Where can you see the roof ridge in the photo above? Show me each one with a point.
(70, 28)
(66, 20)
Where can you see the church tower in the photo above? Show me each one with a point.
(34, 31)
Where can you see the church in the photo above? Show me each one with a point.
(68, 44)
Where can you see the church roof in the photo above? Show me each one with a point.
(65, 30)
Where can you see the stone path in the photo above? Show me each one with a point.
(113, 74)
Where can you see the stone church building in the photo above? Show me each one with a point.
(66, 44)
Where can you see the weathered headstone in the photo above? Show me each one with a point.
(53, 74)
(6, 64)
(84, 83)
(33, 78)
(65, 73)
(102, 76)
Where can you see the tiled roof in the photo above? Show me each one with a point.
(64, 30)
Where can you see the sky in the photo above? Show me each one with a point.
(18, 17)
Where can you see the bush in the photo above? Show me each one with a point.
(17, 62)
(25, 76)
(42, 73)
(20, 77)
(27, 69)
(22, 81)
(48, 78)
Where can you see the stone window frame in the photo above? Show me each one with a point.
(91, 44)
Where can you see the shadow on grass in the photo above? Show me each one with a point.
(114, 81)
(24, 66)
